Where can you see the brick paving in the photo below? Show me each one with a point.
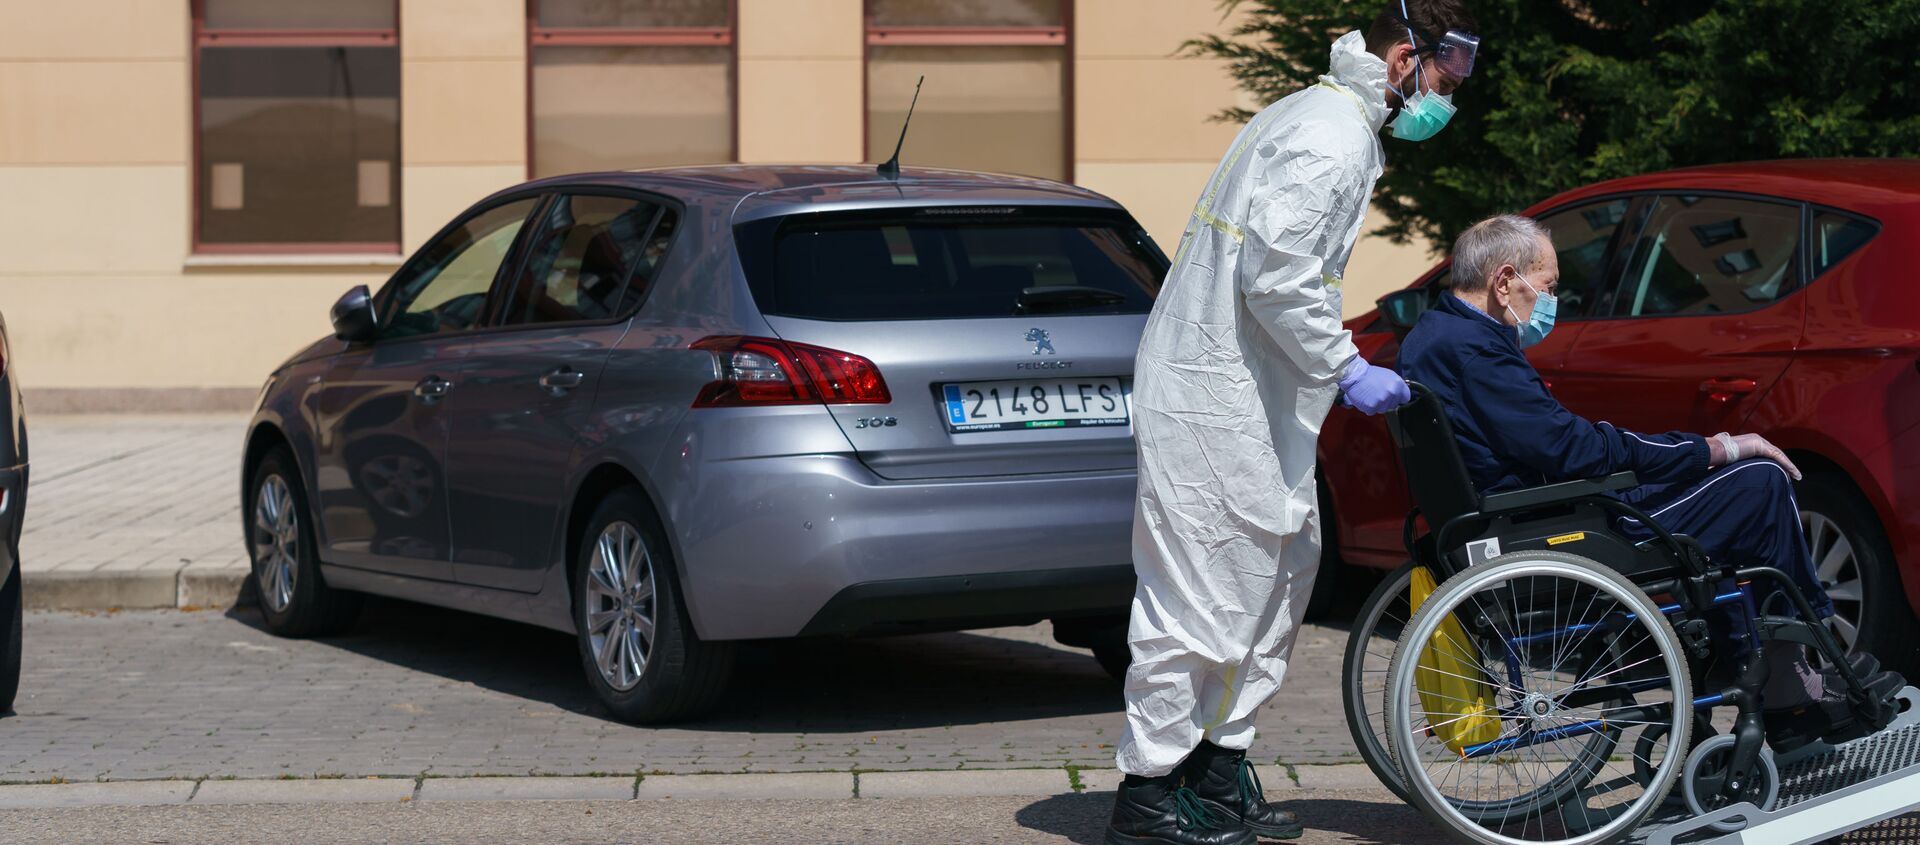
(131, 499)
(417, 690)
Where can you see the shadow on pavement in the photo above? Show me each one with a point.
(1082, 819)
(811, 686)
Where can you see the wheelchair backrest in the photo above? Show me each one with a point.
(1430, 458)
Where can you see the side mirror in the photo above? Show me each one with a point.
(353, 317)
(1402, 308)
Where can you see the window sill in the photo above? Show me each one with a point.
(295, 261)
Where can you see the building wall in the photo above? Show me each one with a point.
(107, 306)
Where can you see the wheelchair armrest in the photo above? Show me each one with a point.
(1553, 494)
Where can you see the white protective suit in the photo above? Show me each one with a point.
(1238, 366)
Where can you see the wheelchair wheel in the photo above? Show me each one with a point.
(1363, 674)
(1705, 782)
(1509, 692)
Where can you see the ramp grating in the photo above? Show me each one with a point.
(1854, 763)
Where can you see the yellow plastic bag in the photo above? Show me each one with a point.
(1452, 685)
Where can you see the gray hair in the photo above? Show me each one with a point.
(1503, 239)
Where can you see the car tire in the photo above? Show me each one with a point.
(293, 595)
(10, 620)
(1854, 560)
(625, 584)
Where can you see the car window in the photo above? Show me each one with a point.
(444, 288)
(589, 258)
(1836, 236)
(928, 264)
(1711, 255)
(1580, 238)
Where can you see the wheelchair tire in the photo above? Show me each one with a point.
(1371, 642)
(1708, 763)
(1526, 704)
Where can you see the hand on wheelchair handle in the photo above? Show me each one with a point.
(1729, 448)
(1373, 390)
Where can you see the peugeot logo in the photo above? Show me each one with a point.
(1042, 342)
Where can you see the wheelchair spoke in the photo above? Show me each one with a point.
(1547, 668)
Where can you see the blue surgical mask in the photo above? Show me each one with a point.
(1423, 116)
(1538, 326)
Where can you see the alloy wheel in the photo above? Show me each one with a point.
(276, 542)
(620, 607)
(1837, 565)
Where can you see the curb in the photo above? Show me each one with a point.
(132, 589)
(815, 786)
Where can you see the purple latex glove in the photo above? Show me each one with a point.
(1374, 390)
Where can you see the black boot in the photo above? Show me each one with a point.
(1227, 786)
(1150, 811)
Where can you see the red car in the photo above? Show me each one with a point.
(1775, 297)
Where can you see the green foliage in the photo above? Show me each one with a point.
(1569, 92)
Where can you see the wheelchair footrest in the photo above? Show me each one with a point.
(1825, 792)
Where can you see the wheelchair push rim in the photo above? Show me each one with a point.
(1559, 650)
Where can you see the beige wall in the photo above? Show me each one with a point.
(99, 284)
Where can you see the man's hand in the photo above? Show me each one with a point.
(1374, 390)
(1728, 448)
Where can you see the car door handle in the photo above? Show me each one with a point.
(1726, 389)
(431, 388)
(562, 380)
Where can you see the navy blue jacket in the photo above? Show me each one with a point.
(1512, 432)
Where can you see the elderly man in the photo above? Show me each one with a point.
(1732, 493)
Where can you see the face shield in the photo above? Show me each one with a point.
(1453, 53)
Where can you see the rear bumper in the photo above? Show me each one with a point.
(958, 602)
(791, 545)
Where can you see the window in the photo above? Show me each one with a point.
(591, 259)
(1711, 255)
(996, 70)
(1836, 236)
(624, 84)
(928, 266)
(1580, 239)
(444, 288)
(297, 126)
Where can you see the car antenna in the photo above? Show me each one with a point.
(891, 168)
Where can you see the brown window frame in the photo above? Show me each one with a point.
(203, 37)
(972, 36)
(652, 36)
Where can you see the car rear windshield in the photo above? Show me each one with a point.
(947, 263)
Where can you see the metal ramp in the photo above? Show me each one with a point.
(1828, 792)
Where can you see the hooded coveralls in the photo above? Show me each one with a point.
(1238, 366)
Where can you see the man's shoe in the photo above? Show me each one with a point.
(1157, 811)
(1832, 717)
(1227, 785)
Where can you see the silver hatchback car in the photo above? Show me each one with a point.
(669, 410)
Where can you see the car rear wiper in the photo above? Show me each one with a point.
(1053, 299)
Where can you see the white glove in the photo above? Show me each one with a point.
(1736, 447)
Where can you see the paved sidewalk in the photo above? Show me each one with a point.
(416, 690)
(133, 512)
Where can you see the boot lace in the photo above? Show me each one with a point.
(1192, 813)
(1251, 792)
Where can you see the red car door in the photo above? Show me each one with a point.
(1701, 321)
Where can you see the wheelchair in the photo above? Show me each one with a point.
(1557, 683)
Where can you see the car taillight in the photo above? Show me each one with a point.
(769, 371)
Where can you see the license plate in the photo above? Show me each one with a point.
(1040, 403)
